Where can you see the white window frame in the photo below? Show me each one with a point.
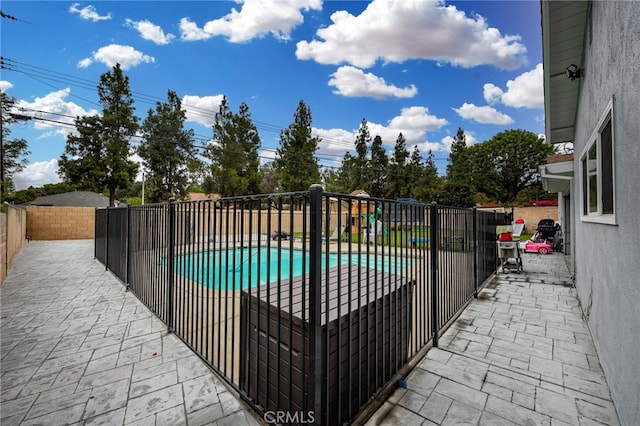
(595, 140)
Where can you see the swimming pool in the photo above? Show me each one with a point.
(249, 267)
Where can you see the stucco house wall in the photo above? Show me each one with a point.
(607, 262)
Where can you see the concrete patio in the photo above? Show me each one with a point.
(78, 349)
(520, 354)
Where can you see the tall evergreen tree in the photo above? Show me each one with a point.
(415, 171)
(97, 157)
(234, 153)
(296, 162)
(459, 169)
(379, 163)
(361, 161)
(166, 150)
(430, 182)
(331, 180)
(247, 134)
(346, 177)
(14, 151)
(397, 172)
(269, 179)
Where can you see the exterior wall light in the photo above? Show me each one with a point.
(573, 72)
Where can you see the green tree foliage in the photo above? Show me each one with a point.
(456, 194)
(378, 168)
(247, 132)
(459, 168)
(361, 162)
(429, 186)
(296, 162)
(133, 193)
(415, 170)
(97, 156)
(31, 193)
(355, 172)
(234, 153)
(397, 171)
(331, 180)
(14, 151)
(166, 150)
(508, 163)
(196, 170)
(346, 179)
(534, 193)
(270, 181)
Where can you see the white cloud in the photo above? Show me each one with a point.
(256, 18)
(413, 122)
(426, 146)
(114, 54)
(37, 174)
(150, 31)
(5, 85)
(447, 141)
(417, 118)
(395, 31)
(202, 109)
(84, 63)
(353, 82)
(335, 141)
(525, 91)
(492, 93)
(57, 109)
(483, 114)
(89, 13)
(189, 31)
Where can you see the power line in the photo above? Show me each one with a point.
(199, 147)
(39, 73)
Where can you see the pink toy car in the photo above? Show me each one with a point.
(542, 247)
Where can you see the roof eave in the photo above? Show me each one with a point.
(563, 35)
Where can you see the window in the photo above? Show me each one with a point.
(597, 173)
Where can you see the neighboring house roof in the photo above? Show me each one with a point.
(71, 199)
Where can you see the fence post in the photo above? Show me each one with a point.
(170, 262)
(434, 271)
(495, 230)
(95, 233)
(106, 242)
(475, 252)
(314, 386)
(126, 251)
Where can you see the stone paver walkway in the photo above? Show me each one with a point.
(520, 354)
(76, 348)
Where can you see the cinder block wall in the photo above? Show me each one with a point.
(12, 237)
(533, 215)
(3, 247)
(60, 223)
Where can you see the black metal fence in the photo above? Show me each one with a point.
(308, 303)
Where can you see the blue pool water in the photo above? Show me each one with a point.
(244, 267)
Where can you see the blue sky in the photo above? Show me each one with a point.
(417, 67)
